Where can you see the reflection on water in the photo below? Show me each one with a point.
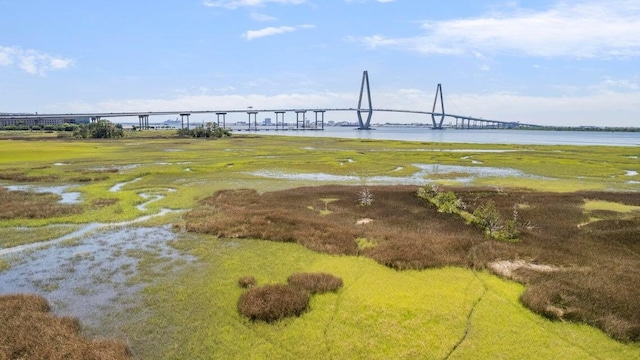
(488, 136)
(67, 197)
(88, 272)
(425, 175)
(88, 278)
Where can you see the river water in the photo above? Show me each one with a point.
(488, 136)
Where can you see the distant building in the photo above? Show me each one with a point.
(267, 122)
(45, 121)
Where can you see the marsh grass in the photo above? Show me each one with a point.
(247, 282)
(315, 283)
(599, 261)
(30, 331)
(22, 178)
(10, 237)
(380, 313)
(273, 302)
(390, 324)
(4, 265)
(27, 205)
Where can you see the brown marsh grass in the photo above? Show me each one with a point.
(20, 177)
(246, 282)
(595, 268)
(273, 302)
(27, 205)
(315, 283)
(29, 331)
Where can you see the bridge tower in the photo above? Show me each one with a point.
(438, 125)
(365, 125)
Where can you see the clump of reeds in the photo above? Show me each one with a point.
(247, 282)
(89, 178)
(315, 283)
(102, 202)
(273, 302)
(29, 331)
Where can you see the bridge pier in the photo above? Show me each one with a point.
(298, 112)
(278, 113)
(255, 119)
(143, 122)
(224, 116)
(322, 119)
(182, 117)
(95, 119)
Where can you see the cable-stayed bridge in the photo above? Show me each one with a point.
(364, 115)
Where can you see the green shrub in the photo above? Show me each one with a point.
(488, 217)
(315, 283)
(210, 130)
(272, 302)
(102, 129)
(448, 202)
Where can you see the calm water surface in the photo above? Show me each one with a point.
(522, 137)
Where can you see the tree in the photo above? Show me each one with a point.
(103, 129)
(210, 130)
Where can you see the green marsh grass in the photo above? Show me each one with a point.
(380, 313)
(192, 313)
(10, 237)
(4, 265)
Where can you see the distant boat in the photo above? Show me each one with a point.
(175, 122)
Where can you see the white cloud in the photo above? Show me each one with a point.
(32, 61)
(262, 17)
(234, 4)
(624, 84)
(270, 31)
(584, 29)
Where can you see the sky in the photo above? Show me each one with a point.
(547, 62)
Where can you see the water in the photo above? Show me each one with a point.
(488, 136)
(92, 277)
(66, 197)
(466, 174)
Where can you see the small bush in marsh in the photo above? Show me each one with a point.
(273, 302)
(315, 283)
(365, 197)
(247, 282)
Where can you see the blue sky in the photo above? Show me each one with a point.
(546, 61)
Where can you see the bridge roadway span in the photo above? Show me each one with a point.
(144, 116)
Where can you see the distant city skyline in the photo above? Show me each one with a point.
(547, 62)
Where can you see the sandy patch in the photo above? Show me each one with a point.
(364, 221)
(506, 268)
